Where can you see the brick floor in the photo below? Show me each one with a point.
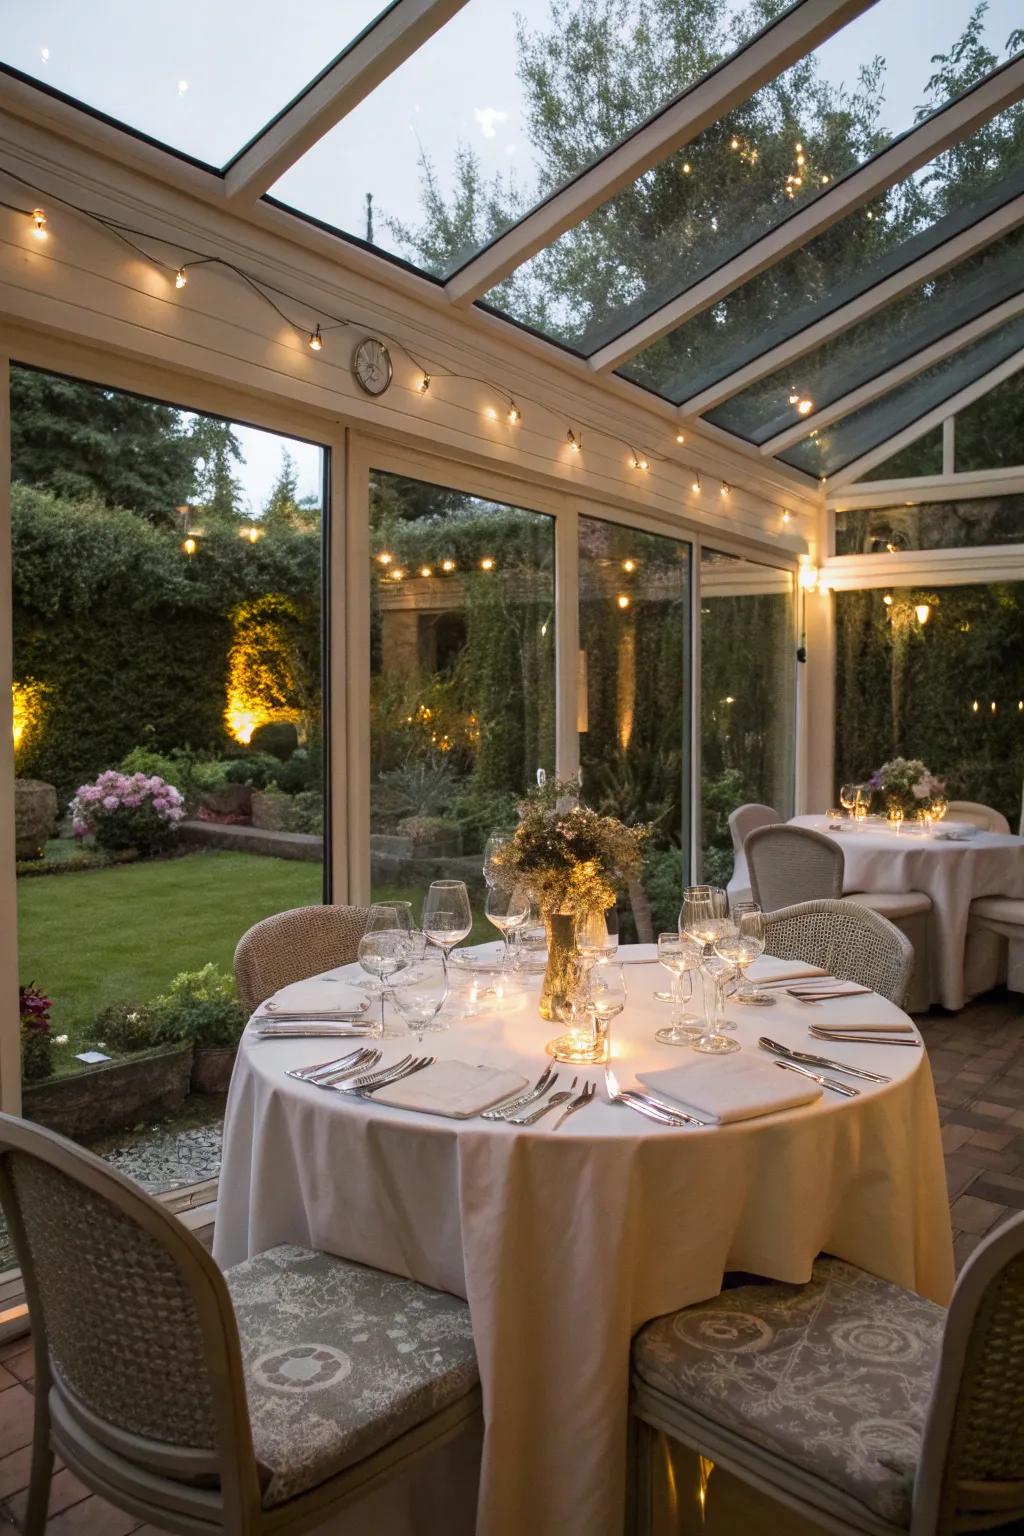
(977, 1059)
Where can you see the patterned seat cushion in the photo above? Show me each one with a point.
(832, 1377)
(340, 1360)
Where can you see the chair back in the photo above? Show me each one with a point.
(746, 819)
(792, 864)
(289, 946)
(136, 1345)
(985, 817)
(850, 942)
(970, 1473)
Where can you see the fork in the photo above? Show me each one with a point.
(364, 1079)
(546, 1081)
(396, 1075)
(360, 1058)
(580, 1102)
(551, 1103)
(641, 1106)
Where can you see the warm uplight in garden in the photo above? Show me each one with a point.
(623, 600)
(425, 570)
(629, 565)
(26, 710)
(487, 564)
(241, 724)
(447, 565)
(189, 546)
(923, 612)
(384, 558)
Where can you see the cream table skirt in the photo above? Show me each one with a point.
(564, 1243)
(951, 873)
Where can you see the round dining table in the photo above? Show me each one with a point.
(565, 1241)
(951, 872)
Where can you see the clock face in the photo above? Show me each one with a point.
(371, 364)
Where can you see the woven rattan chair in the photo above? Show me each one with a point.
(791, 864)
(985, 817)
(853, 1403)
(742, 821)
(293, 945)
(249, 1401)
(848, 941)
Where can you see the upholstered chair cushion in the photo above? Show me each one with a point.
(832, 1377)
(340, 1360)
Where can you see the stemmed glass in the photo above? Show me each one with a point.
(447, 918)
(848, 797)
(607, 996)
(597, 936)
(386, 917)
(497, 840)
(419, 994)
(382, 954)
(704, 918)
(679, 957)
(508, 911)
(742, 947)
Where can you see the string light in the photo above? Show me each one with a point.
(515, 415)
(491, 413)
(180, 278)
(695, 484)
(448, 565)
(487, 564)
(622, 600)
(974, 706)
(680, 438)
(787, 516)
(687, 167)
(923, 612)
(637, 461)
(724, 488)
(424, 383)
(629, 565)
(38, 218)
(316, 341)
(397, 574)
(575, 443)
(805, 406)
(992, 706)
(887, 599)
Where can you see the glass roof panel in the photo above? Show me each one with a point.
(203, 82)
(889, 336)
(917, 215)
(499, 107)
(778, 152)
(834, 447)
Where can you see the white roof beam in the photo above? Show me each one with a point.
(377, 53)
(949, 125)
(898, 374)
(924, 424)
(733, 82)
(949, 254)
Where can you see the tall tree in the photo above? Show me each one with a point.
(80, 441)
(216, 449)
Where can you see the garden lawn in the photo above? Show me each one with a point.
(100, 936)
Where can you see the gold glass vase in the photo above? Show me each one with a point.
(562, 975)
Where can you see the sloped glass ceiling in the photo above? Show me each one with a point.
(202, 80)
(832, 448)
(503, 104)
(778, 152)
(893, 334)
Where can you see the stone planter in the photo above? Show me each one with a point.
(35, 816)
(228, 800)
(269, 810)
(212, 1066)
(431, 837)
(113, 1095)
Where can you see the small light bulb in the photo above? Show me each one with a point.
(824, 181)
(622, 600)
(425, 570)
(491, 413)
(38, 223)
(805, 406)
(794, 397)
(687, 168)
(974, 706)
(870, 214)
(734, 144)
(189, 546)
(800, 159)
(799, 149)
(397, 575)
(724, 488)
(487, 564)
(680, 437)
(316, 341)
(992, 706)
(515, 415)
(255, 535)
(180, 278)
(787, 516)
(384, 558)
(695, 484)
(447, 565)
(887, 599)
(629, 565)
(574, 442)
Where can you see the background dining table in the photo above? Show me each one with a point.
(952, 873)
(565, 1242)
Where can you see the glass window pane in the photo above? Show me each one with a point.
(921, 458)
(990, 433)
(748, 697)
(749, 172)
(932, 525)
(167, 658)
(462, 685)
(500, 107)
(829, 450)
(203, 82)
(917, 215)
(948, 692)
(634, 692)
(886, 338)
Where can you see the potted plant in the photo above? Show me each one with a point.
(201, 1006)
(121, 810)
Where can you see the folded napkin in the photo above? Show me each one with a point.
(833, 1026)
(738, 1087)
(767, 969)
(452, 1088)
(319, 997)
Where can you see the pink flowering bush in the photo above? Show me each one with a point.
(128, 810)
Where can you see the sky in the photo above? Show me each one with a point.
(262, 451)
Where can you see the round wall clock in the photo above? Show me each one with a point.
(371, 364)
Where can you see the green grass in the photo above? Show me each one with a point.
(100, 936)
(109, 935)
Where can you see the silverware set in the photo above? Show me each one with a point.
(647, 1104)
(808, 1060)
(865, 1037)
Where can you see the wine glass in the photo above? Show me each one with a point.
(848, 797)
(939, 807)
(679, 957)
(419, 994)
(447, 918)
(742, 947)
(894, 815)
(531, 941)
(497, 840)
(704, 918)
(389, 914)
(717, 971)
(508, 911)
(607, 994)
(597, 936)
(382, 954)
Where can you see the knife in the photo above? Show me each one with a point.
(820, 1061)
(825, 1082)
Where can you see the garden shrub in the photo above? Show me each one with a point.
(277, 738)
(258, 770)
(36, 1035)
(298, 773)
(425, 829)
(663, 882)
(144, 760)
(479, 812)
(76, 863)
(200, 1006)
(128, 812)
(125, 1027)
(306, 813)
(420, 787)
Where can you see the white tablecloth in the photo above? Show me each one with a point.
(565, 1242)
(951, 873)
